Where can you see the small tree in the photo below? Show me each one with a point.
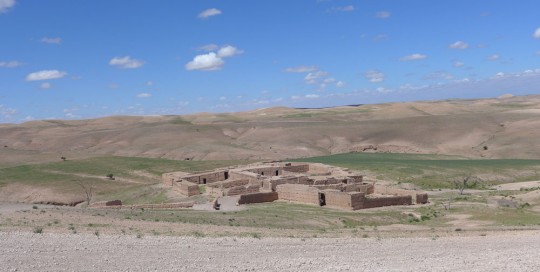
(110, 176)
(465, 182)
(63, 158)
(88, 189)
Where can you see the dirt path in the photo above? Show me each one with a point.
(516, 251)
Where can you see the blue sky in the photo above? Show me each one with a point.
(66, 59)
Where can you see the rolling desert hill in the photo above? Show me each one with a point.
(505, 127)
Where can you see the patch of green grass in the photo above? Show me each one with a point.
(430, 171)
(279, 215)
(60, 176)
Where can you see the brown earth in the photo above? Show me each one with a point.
(506, 127)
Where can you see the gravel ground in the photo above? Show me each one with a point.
(509, 251)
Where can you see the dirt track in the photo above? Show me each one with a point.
(513, 251)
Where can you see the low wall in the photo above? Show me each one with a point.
(267, 171)
(298, 168)
(187, 188)
(228, 183)
(251, 177)
(374, 202)
(337, 199)
(258, 198)
(209, 177)
(419, 197)
(170, 178)
(298, 193)
(241, 190)
(106, 204)
(178, 205)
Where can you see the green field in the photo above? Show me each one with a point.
(433, 171)
(132, 176)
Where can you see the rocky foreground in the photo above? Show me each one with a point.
(509, 251)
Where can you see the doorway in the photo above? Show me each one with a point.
(322, 199)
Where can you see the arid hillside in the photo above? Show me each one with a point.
(506, 127)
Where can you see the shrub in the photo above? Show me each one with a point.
(38, 230)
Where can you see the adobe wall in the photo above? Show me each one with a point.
(419, 197)
(253, 178)
(271, 184)
(109, 203)
(296, 168)
(258, 198)
(187, 188)
(208, 177)
(229, 183)
(373, 202)
(337, 199)
(170, 178)
(298, 193)
(241, 190)
(267, 171)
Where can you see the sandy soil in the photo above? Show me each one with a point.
(78, 252)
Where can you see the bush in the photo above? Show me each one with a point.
(38, 230)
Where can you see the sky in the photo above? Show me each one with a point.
(65, 59)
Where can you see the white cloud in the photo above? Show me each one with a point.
(536, 34)
(45, 75)
(383, 14)
(45, 85)
(340, 84)
(344, 8)
(205, 62)
(6, 4)
(212, 61)
(374, 76)
(222, 98)
(413, 57)
(312, 96)
(10, 64)
(300, 69)
(207, 47)
(458, 45)
(51, 40)
(438, 75)
(493, 57)
(143, 95)
(458, 64)
(209, 13)
(149, 83)
(126, 62)
(228, 51)
(313, 77)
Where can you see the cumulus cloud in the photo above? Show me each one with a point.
(383, 14)
(143, 95)
(5, 5)
(45, 85)
(300, 69)
(45, 75)
(312, 96)
(340, 84)
(205, 62)
(536, 34)
(51, 40)
(313, 77)
(413, 57)
(212, 61)
(126, 62)
(228, 51)
(493, 57)
(458, 45)
(374, 76)
(209, 13)
(10, 64)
